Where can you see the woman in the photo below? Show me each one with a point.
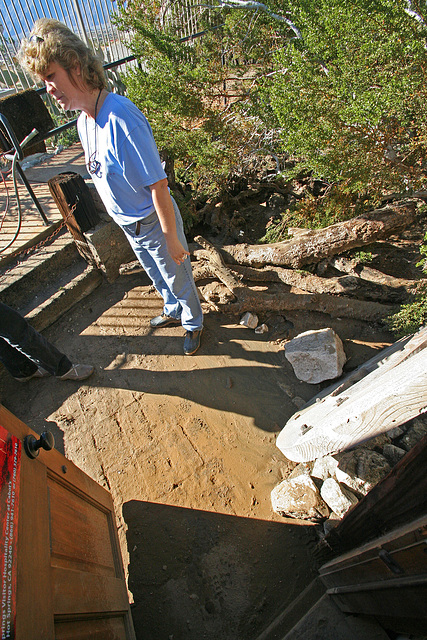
(125, 166)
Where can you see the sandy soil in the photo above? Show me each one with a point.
(186, 445)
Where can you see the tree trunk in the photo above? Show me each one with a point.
(337, 307)
(311, 247)
(372, 275)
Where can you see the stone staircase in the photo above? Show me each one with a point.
(46, 280)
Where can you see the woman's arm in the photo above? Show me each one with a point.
(164, 208)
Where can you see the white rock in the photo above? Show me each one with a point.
(324, 467)
(298, 497)
(337, 498)
(249, 320)
(361, 469)
(316, 355)
(262, 329)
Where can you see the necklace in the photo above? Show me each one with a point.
(93, 165)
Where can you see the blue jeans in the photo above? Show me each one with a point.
(23, 349)
(175, 283)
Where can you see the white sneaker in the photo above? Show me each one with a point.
(77, 372)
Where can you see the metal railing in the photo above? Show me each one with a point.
(90, 19)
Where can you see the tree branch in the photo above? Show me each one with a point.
(258, 6)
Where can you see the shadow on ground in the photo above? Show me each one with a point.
(197, 575)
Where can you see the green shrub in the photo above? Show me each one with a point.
(414, 314)
(350, 97)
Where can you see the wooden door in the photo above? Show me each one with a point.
(69, 575)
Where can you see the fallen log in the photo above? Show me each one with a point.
(311, 247)
(247, 299)
(353, 268)
(349, 285)
(293, 300)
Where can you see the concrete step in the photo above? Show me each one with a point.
(325, 621)
(293, 613)
(314, 616)
(47, 281)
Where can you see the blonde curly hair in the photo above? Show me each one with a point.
(52, 41)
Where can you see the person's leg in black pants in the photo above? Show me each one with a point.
(23, 349)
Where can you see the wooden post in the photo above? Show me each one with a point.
(74, 200)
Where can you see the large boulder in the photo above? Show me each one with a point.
(316, 356)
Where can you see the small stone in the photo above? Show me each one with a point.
(262, 329)
(303, 468)
(336, 497)
(393, 453)
(331, 523)
(324, 467)
(417, 430)
(395, 433)
(249, 320)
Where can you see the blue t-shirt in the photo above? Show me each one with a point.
(122, 149)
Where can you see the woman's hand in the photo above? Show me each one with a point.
(164, 207)
(176, 250)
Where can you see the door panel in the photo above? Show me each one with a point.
(79, 592)
(70, 579)
(80, 531)
(113, 629)
(33, 594)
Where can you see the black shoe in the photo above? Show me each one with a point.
(163, 321)
(192, 342)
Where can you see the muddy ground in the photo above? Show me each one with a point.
(186, 445)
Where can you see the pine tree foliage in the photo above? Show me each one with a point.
(344, 91)
(201, 95)
(350, 97)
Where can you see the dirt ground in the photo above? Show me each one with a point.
(186, 445)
